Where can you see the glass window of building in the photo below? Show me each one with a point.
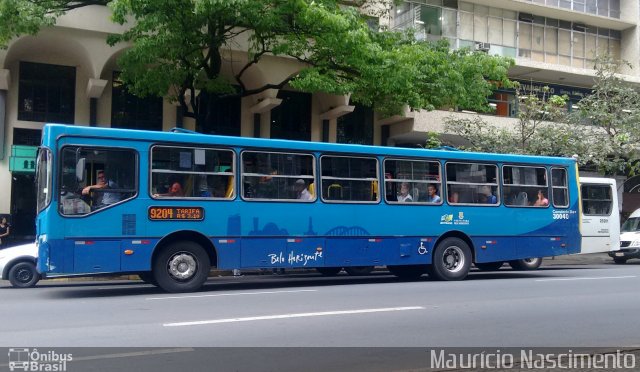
(132, 112)
(356, 127)
(223, 117)
(292, 118)
(46, 93)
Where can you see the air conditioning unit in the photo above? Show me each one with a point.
(483, 47)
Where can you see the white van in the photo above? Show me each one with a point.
(629, 239)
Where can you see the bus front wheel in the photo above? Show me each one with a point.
(526, 264)
(451, 260)
(181, 267)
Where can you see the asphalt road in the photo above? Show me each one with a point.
(270, 322)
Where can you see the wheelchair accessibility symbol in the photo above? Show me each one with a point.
(422, 249)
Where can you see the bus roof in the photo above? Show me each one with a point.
(52, 132)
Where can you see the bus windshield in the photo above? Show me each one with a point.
(43, 197)
(631, 225)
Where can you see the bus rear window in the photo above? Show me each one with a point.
(596, 200)
(560, 187)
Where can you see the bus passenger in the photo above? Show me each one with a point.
(454, 197)
(104, 198)
(489, 198)
(301, 190)
(175, 191)
(542, 201)
(404, 195)
(433, 194)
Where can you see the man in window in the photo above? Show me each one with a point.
(104, 198)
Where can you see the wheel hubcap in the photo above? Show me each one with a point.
(453, 259)
(24, 275)
(182, 266)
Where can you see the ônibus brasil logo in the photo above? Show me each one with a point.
(25, 359)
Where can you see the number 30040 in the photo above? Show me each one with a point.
(561, 216)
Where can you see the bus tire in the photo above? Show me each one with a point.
(148, 278)
(619, 260)
(489, 266)
(451, 260)
(526, 264)
(329, 271)
(181, 267)
(358, 270)
(23, 275)
(407, 272)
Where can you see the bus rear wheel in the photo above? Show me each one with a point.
(358, 270)
(526, 264)
(489, 266)
(451, 260)
(181, 267)
(407, 272)
(329, 271)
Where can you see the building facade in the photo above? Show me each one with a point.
(68, 74)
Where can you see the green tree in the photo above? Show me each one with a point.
(608, 121)
(533, 133)
(181, 47)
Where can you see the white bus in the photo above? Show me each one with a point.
(600, 225)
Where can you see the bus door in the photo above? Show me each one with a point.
(600, 215)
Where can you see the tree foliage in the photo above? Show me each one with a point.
(611, 114)
(603, 131)
(180, 47)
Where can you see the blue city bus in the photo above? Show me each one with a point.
(169, 206)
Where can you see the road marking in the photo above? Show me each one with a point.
(587, 278)
(290, 316)
(231, 294)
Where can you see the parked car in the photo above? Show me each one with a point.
(18, 265)
(629, 239)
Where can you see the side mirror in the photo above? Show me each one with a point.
(80, 169)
